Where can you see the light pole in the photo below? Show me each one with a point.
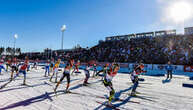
(63, 29)
(15, 37)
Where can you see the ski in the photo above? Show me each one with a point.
(53, 82)
(67, 92)
(142, 97)
(117, 99)
(47, 83)
(137, 93)
(86, 85)
(56, 95)
(140, 83)
(4, 85)
(26, 85)
(107, 105)
(13, 79)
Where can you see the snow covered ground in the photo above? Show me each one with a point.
(156, 94)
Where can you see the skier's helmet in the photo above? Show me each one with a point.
(115, 66)
(106, 64)
(142, 66)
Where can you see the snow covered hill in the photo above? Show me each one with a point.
(156, 94)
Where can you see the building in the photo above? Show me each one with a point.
(143, 35)
(188, 31)
(165, 32)
(121, 37)
(146, 34)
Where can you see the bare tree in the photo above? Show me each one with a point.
(2, 49)
(18, 51)
(9, 50)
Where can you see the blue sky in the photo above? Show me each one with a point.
(38, 22)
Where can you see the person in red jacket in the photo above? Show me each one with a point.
(71, 61)
(27, 62)
(76, 67)
(23, 70)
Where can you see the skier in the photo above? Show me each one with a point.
(66, 74)
(87, 74)
(94, 69)
(55, 70)
(8, 64)
(51, 65)
(112, 72)
(27, 62)
(35, 64)
(104, 70)
(47, 68)
(76, 67)
(23, 70)
(134, 77)
(71, 61)
(169, 69)
(14, 67)
(1, 66)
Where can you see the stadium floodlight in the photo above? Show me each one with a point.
(15, 37)
(63, 28)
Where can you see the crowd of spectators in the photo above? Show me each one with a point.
(151, 50)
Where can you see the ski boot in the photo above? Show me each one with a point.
(133, 94)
